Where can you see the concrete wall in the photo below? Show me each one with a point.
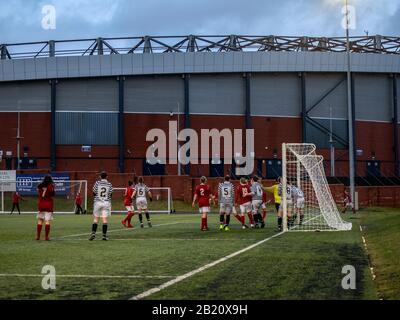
(199, 62)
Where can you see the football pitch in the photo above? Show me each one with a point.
(175, 260)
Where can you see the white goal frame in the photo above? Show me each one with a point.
(83, 186)
(169, 201)
(312, 164)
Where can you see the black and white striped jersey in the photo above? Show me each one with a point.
(102, 190)
(226, 192)
(257, 191)
(297, 192)
(141, 190)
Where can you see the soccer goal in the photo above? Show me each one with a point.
(66, 192)
(162, 200)
(307, 201)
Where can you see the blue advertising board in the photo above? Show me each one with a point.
(27, 183)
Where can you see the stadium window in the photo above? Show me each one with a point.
(216, 167)
(157, 169)
(319, 133)
(86, 128)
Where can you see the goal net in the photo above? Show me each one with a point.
(307, 201)
(65, 199)
(162, 200)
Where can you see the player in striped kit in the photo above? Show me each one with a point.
(142, 192)
(128, 203)
(102, 192)
(257, 201)
(298, 199)
(289, 202)
(226, 196)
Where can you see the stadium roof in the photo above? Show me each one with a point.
(198, 43)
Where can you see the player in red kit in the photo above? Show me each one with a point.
(243, 198)
(45, 206)
(15, 202)
(78, 204)
(347, 202)
(203, 196)
(128, 203)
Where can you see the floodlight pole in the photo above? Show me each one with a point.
(349, 109)
(178, 144)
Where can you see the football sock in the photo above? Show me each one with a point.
(264, 214)
(243, 220)
(250, 218)
(38, 230)
(228, 219)
(129, 217)
(94, 227)
(105, 225)
(221, 219)
(279, 222)
(147, 216)
(203, 223)
(47, 230)
(140, 217)
(239, 218)
(301, 219)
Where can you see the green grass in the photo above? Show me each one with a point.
(296, 265)
(62, 203)
(381, 228)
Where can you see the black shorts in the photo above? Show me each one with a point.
(277, 205)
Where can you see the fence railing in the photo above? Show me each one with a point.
(197, 43)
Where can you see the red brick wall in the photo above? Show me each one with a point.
(270, 132)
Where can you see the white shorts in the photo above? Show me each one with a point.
(141, 203)
(130, 208)
(300, 203)
(44, 215)
(204, 209)
(226, 208)
(289, 205)
(245, 207)
(256, 205)
(263, 206)
(348, 205)
(102, 209)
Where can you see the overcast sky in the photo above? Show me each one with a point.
(20, 20)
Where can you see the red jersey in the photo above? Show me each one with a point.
(46, 195)
(16, 198)
(243, 194)
(128, 196)
(78, 200)
(203, 192)
(347, 198)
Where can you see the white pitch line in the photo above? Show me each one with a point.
(168, 239)
(115, 230)
(207, 266)
(82, 276)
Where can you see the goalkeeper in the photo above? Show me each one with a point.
(274, 189)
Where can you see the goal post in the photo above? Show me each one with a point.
(64, 199)
(307, 200)
(162, 200)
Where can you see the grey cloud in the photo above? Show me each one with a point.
(20, 20)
